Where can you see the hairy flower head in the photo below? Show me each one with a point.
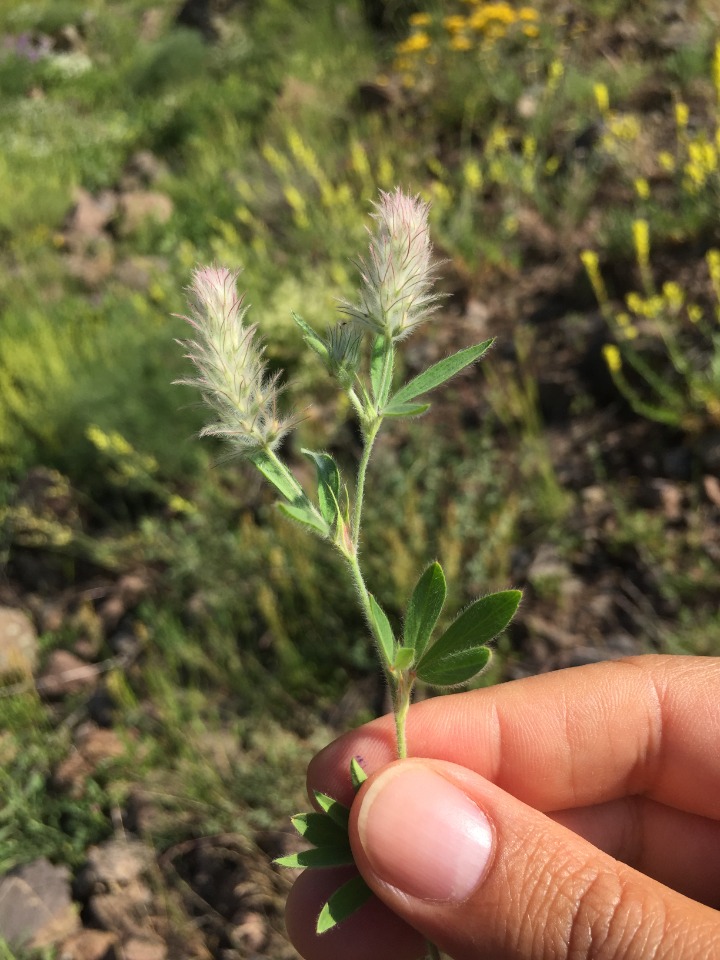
(232, 374)
(398, 275)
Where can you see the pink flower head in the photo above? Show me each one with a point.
(232, 374)
(398, 274)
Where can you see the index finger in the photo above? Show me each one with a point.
(645, 726)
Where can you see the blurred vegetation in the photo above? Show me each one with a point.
(134, 148)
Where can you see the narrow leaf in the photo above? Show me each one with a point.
(319, 829)
(482, 621)
(305, 514)
(328, 477)
(455, 668)
(334, 809)
(357, 774)
(311, 338)
(405, 409)
(381, 364)
(383, 631)
(343, 903)
(318, 857)
(425, 607)
(404, 658)
(281, 478)
(440, 372)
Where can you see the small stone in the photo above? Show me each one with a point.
(65, 674)
(36, 909)
(89, 945)
(251, 933)
(18, 643)
(141, 207)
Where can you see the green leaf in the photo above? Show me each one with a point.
(440, 372)
(482, 621)
(311, 338)
(405, 409)
(382, 357)
(383, 631)
(280, 477)
(335, 810)
(343, 903)
(318, 857)
(357, 774)
(305, 514)
(404, 658)
(319, 829)
(426, 603)
(328, 477)
(455, 668)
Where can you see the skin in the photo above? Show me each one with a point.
(602, 786)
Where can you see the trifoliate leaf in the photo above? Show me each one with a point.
(482, 621)
(337, 811)
(306, 515)
(440, 372)
(456, 668)
(343, 903)
(318, 857)
(405, 409)
(425, 607)
(319, 829)
(328, 477)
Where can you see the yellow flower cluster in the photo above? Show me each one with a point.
(482, 26)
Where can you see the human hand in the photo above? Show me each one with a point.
(571, 815)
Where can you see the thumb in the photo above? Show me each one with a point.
(482, 875)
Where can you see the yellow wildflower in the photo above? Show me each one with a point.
(642, 188)
(414, 43)
(472, 174)
(612, 357)
(641, 239)
(602, 97)
(528, 13)
(455, 23)
(666, 161)
(531, 30)
(420, 20)
(673, 294)
(682, 114)
(695, 313)
(460, 42)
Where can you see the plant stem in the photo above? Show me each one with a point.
(369, 440)
(432, 951)
(403, 694)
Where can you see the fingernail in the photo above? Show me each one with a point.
(423, 835)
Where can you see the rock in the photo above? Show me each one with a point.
(89, 945)
(711, 485)
(89, 217)
(117, 897)
(116, 864)
(18, 643)
(138, 208)
(251, 934)
(140, 948)
(65, 674)
(36, 909)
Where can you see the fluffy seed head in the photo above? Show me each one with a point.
(397, 276)
(232, 374)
